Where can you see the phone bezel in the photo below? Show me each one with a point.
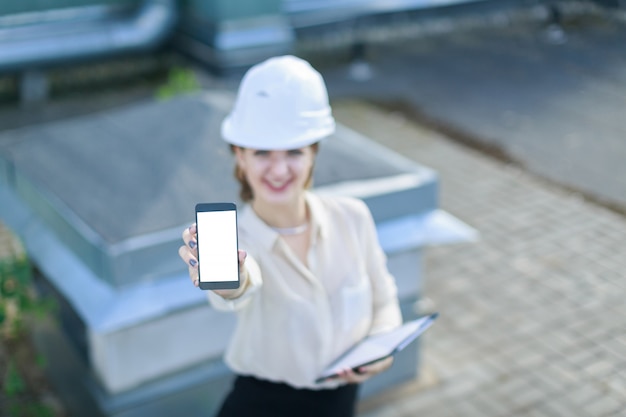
(218, 285)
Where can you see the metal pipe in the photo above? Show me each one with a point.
(46, 43)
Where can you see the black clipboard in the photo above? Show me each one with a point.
(377, 347)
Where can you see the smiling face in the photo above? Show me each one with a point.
(276, 177)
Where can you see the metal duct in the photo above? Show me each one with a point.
(48, 42)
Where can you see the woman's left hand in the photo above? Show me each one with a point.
(363, 373)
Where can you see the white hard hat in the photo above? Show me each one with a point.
(282, 103)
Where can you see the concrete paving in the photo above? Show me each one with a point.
(532, 316)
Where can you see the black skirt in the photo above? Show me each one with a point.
(259, 398)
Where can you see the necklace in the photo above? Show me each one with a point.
(288, 231)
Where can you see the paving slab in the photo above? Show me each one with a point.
(530, 315)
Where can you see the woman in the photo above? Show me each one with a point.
(314, 279)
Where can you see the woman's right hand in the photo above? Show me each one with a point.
(189, 254)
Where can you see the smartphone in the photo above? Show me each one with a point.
(218, 260)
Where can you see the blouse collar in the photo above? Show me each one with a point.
(252, 225)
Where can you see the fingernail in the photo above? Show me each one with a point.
(193, 262)
(192, 244)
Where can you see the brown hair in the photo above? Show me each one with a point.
(245, 191)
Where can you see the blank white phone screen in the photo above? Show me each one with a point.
(217, 246)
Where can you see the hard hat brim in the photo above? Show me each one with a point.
(234, 136)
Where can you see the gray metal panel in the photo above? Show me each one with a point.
(5, 169)
(341, 160)
(406, 268)
(139, 170)
(56, 36)
(401, 203)
(305, 13)
(118, 187)
(157, 261)
(71, 232)
(133, 171)
(435, 227)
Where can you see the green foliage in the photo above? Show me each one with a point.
(17, 298)
(41, 361)
(13, 382)
(18, 301)
(179, 81)
(31, 410)
(14, 275)
(14, 388)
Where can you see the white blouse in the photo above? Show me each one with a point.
(294, 320)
